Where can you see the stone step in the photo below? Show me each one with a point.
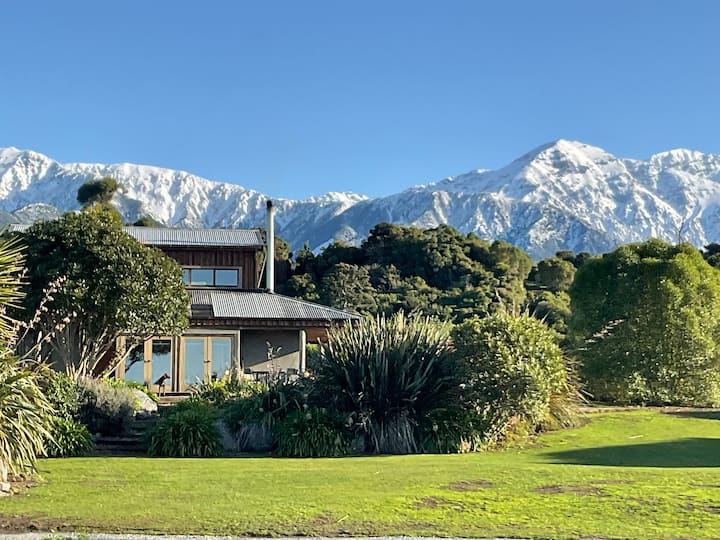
(132, 442)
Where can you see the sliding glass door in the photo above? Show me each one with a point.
(204, 359)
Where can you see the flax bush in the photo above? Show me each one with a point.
(313, 432)
(25, 417)
(189, 430)
(69, 438)
(25, 412)
(253, 419)
(392, 374)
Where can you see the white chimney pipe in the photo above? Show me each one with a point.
(270, 240)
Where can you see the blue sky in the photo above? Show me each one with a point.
(299, 98)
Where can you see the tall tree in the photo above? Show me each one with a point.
(555, 274)
(347, 286)
(646, 325)
(99, 191)
(110, 285)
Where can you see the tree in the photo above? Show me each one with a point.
(555, 274)
(97, 191)
(111, 285)
(348, 286)
(146, 221)
(646, 323)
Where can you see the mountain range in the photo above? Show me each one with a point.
(562, 195)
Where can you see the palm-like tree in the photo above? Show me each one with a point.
(25, 413)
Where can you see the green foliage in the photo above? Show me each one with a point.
(105, 408)
(63, 394)
(517, 374)
(253, 418)
(302, 286)
(146, 221)
(25, 416)
(217, 393)
(189, 430)
(69, 438)
(646, 325)
(11, 268)
(113, 285)
(390, 373)
(555, 274)
(438, 272)
(97, 191)
(552, 308)
(348, 287)
(144, 389)
(25, 412)
(313, 432)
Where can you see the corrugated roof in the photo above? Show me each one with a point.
(160, 236)
(264, 305)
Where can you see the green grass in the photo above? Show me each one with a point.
(635, 474)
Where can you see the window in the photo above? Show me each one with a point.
(212, 277)
(226, 278)
(201, 276)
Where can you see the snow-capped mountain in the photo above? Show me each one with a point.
(562, 195)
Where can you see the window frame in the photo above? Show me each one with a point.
(188, 271)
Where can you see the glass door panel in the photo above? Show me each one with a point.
(135, 365)
(220, 355)
(161, 367)
(194, 372)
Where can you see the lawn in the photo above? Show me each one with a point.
(640, 474)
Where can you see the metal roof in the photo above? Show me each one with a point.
(161, 236)
(264, 305)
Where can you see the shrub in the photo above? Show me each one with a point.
(218, 392)
(391, 374)
(63, 393)
(25, 416)
(105, 408)
(645, 325)
(134, 385)
(25, 412)
(189, 430)
(252, 419)
(313, 433)
(69, 438)
(518, 377)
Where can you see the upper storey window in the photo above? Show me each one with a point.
(211, 277)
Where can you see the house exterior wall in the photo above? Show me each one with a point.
(219, 258)
(254, 350)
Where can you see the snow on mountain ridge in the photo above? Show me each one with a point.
(563, 194)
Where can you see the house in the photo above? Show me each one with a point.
(236, 325)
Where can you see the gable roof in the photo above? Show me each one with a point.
(226, 304)
(162, 236)
(166, 236)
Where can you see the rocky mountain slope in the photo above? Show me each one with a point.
(562, 195)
